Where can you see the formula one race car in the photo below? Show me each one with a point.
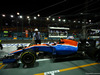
(28, 55)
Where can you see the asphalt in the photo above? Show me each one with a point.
(62, 66)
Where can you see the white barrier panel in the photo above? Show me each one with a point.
(15, 44)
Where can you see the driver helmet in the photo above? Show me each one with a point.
(55, 42)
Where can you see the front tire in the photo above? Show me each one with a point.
(28, 58)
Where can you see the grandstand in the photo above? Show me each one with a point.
(16, 26)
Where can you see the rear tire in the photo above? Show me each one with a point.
(97, 55)
(1, 46)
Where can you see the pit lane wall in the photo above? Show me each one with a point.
(12, 43)
(27, 41)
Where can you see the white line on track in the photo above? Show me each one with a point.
(38, 60)
(42, 60)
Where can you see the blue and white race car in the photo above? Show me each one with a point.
(65, 47)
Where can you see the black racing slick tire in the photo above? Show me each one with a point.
(98, 57)
(28, 58)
